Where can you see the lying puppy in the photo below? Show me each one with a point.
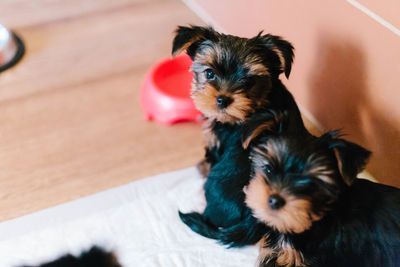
(317, 212)
(236, 86)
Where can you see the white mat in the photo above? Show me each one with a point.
(139, 221)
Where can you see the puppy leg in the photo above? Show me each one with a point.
(212, 153)
(198, 224)
(266, 256)
(247, 232)
(211, 157)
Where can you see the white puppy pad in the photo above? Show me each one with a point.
(139, 221)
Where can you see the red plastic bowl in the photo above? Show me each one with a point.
(165, 94)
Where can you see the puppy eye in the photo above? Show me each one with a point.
(210, 74)
(267, 168)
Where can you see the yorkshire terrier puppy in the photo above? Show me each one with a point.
(234, 78)
(316, 211)
(236, 86)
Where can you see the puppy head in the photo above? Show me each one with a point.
(296, 180)
(233, 75)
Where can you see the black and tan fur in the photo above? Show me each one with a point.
(236, 86)
(316, 211)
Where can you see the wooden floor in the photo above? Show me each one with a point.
(70, 121)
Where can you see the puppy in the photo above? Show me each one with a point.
(317, 212)
(234, 78)
(236, 86)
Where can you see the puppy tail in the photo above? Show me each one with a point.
(198, 224)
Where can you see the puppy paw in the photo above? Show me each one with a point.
(198, 224)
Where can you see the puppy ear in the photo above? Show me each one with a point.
(188, 38)
(261, 123)
(282, 48)
(351, 158)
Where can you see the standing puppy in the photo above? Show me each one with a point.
(317, 211)
(236, 86)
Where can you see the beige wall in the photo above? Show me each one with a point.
(347, 67)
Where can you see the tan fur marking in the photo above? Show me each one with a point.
(114, 261)
(275, 149)
(210, 140)
(186, 46)
(257, 69)
(283, 253)
(253, 63)
(266, 126)
(322, 173)
(263, 127)
(209, 54)
(205, 101)
(209, 136)
(346, 179)
(319, 169)
(240, 107)
(205, 59)
(288, 256)
(266, 253)
(257, 193)
(294, 217)
(259, 156)
(261, 152)
(203, 167)
(281, 58)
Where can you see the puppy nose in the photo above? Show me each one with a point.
(276, 202)
(223, 101)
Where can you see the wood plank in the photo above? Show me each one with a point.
(22, 13)
(65, 144)
(71, 52)
(70, 121)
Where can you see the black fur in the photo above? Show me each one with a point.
(362, 230)
(359, 223)
(226, 217)
(95, 257)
